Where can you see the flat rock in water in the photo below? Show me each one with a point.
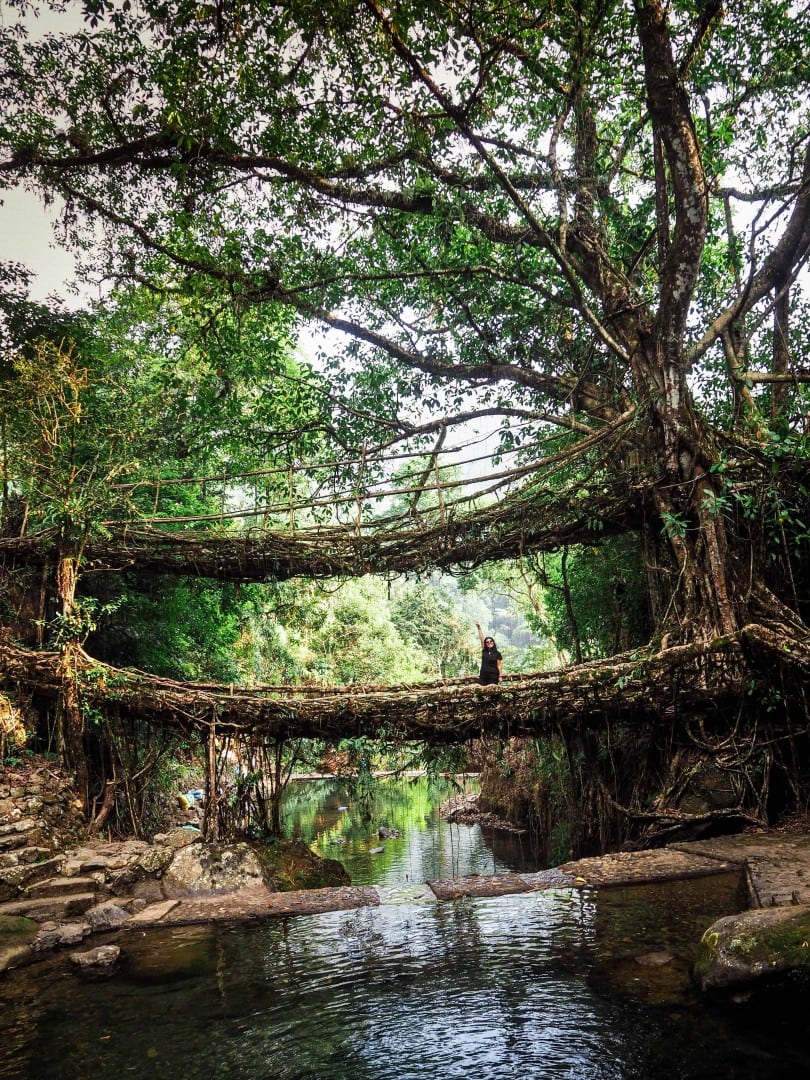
(152, 913)
(61, 936)
(480, 885)
(16, 933)
(635, 867)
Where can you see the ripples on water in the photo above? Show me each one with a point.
(486, 988)
(532, 986)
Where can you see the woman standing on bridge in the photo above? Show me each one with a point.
(491, 660)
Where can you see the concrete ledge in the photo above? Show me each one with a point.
(255, 902)
(638, 867)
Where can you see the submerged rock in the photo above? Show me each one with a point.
(755, 945)
(654, 959)
(102, 957)
(16, 933)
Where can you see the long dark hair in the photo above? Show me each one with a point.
(493, 645)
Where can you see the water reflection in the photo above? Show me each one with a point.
(489, 988)
(453, 990)
(550, 984)
(339, 825)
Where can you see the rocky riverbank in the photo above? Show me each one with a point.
(58, 888)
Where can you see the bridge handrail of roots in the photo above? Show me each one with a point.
(514, 511)
(348, 502)
(349, 491)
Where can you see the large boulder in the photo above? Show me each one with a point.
(754, 945)
(291, 864)
(211, 869)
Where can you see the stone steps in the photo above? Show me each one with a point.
(23, 856)
(61, 886)
(87, 864)
(17, 834)
(50, 908)
(14, 879)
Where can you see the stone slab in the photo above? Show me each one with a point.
(152, 913)
(480, 885)
(21, 825)
(50, 907)
(61, 886)
(639, 867)
(257, 902)
(777, 865)
(13, 840)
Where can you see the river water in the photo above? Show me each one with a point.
(341, 824)
(559, 983)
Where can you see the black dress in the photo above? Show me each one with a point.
(489, 666)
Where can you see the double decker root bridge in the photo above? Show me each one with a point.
(342, 518)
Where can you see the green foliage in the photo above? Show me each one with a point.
(431, 624)
(65, 440)
(372, 212)
(182, 628)
(359, 631)
(81, 621)
(608, 591)
(152, 386)
(509, 600)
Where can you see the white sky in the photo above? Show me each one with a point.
(26, 236)
(26, 232)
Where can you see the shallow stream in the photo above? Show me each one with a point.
(560, 983)
(339, 824)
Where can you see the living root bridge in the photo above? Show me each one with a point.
(504, 531)
(704, 678)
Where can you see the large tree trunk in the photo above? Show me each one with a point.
(707, 598)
